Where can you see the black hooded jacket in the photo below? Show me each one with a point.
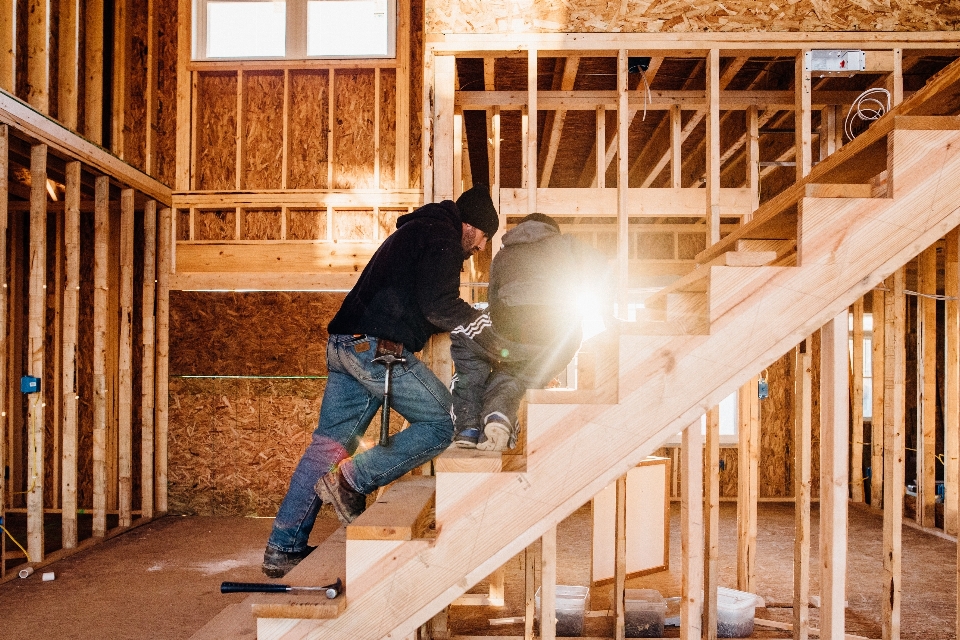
(410, 289)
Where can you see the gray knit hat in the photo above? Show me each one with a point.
(476, 209)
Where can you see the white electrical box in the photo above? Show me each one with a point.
(835, 61)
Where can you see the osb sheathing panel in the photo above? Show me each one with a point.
(165, 19)
(263, 128)
(353, 224)
(51, 448)
(85, 366)
(216, 131)
(251, 334)
(651, 16)
(388, 128)
(416, 94)
(22, 12)
(306, 224)
(183, 224)
(308, 130)
(354, 140)
(388, 220)
(260, 225)
(135, 77)
(215, 225)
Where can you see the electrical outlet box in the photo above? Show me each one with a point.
(835, 61)
(29, 384)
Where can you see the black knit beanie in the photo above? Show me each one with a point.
(476, 209)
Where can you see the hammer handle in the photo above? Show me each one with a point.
(253, 587)
(385, 417)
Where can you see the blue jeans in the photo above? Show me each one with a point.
(353, 396)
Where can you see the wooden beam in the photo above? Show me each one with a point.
(927, 388)
(552, 137)
(121, 37)
(644, 202)
(623, 186)
(676, 148)
(620, 560)
(164, 265)
(531, 136)
(68, 65)
(125, 366)
(530, 589)
(285, 142)
(713, 147)
(147, 371)
(879, 394)
(151, 91)
(332, 126)
(711, 524)
(5, 422)
(402, 157)
(834, 447)
(100, 268)
(71, 301)
(459, 158)
(691, 531)
(35, 349)
(8, 46)
(856, 408)
(752, 158)
(951, 369)
(443, 123)
(427, 135)
(548, 584)
(93, 71)
(600, 179)
(376, 129)
(893, 457)
(748, 485)
(495, 180)
(802, 440)
(804, 133)
(895, 79)
(184, 95)
(241, 136)
(38, 55)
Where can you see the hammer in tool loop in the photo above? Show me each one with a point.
(388, 360)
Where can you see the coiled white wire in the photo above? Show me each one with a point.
(868, 106)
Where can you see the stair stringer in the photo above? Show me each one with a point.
(667, 382)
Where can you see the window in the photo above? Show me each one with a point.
(295, 29)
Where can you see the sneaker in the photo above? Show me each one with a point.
(467, 438)
(277, 563)
(345, 500)
(496, 437)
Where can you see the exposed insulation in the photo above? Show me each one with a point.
(353, 224)
(306, 224)
(215, 225)
(416, 94)
(353, 140)
(518, 16)
(260, 225)
(263, 129)
(216, 130)
(388, 128)
(308, 130)
(135, 79)
(165, 155)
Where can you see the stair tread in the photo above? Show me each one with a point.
(457, 460)
(401, 513)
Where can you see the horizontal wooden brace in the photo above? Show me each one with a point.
(640, 202)
(277, 256)
(312, 198)
(245, 281)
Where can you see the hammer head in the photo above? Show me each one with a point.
(388, 360)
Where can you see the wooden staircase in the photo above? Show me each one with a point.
(804, 258)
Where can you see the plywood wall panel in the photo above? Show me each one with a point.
(776, 430)
(388, 128)
(216, 130)
(134, 132)
(183, 224)
(292, 329)
(260, 225)
(215, 225)
(48, 388)
(263, 128)
(518, 16)
(388, 221)
(306, 224)
(307, 153)
(416, 94)
(85, 367)
(165, 19)
(353, 141)
(353, 224)
(690, 244)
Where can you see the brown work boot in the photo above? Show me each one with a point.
(345, 500)
(277, 563)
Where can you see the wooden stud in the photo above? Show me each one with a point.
(856, 399)
(834, 447)
(8, 53)
(753, 158)
(571, 64)
(38, 55)
(600, 180)
(100, 266)
(893, 455)
(5, 423)
(68, 81)
(530, 589)
(713, 147)
(620, 560)
(459, 157)
(879, 388)
(803, 92)
(71, 297)
(35, 348)
(427, 142)
(443, 128)
(927, 388)
(548, 584)
(125, 367)
(691, 531)
(711, 524)
(495, 180)
(951, 383)
(121, 36)
(376, 128)
(676, 146)
(829, 132)
(151, 91)
(56, 375)
(241, 127)
(496, 589)
(802, 439)
(748, 485)
(285, 151)
(531, 136)
(164, 267)
(402, 158)
(147, 372)
(185, 90)
(895, 79)
(623, 170)
(331, 127)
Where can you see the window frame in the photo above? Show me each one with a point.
(295, 32)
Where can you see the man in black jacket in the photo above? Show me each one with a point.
(408, 291)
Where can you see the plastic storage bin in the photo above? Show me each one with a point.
(645, 611)
(735, 612)
(572, 603)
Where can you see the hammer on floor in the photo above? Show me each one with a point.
(388, 360)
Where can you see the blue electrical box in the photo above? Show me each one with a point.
(29, 384)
